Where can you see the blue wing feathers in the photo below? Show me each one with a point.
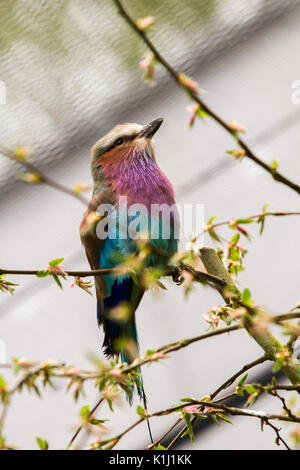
(123, 289)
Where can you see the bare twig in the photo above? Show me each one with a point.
(43, 178)
(277, 432)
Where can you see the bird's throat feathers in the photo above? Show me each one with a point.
(132, 171)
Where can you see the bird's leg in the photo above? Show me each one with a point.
(177, 276)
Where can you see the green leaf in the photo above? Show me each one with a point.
(141, 412)
(95, 421)
(278, 364)
(224, 418)
(110, 404)
(161, 285)
(261, 221)
(252, 398)
(159, 447)
(56, 262)
(149, 352)
(242, 381)
(42, 274)
(85, 411)
(235, 238)
(246, 297)
(211, 220)
(102, 384)
(2, 382)
(234, 254)
(250, 389)
(214, 236)
(43, 445)
(274, 165)
(57, 280)
(190, 431)
(16, 365)
(215, 419)
(244, 221)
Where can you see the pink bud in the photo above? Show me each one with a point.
(24, 362)
(234, 126)
(71, 371)
(193, 112)
(157, 355)
(191, 409)
(189, 83)
(115, 372)
(144, 23)
(56, 270)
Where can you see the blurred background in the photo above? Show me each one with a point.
(71, 73)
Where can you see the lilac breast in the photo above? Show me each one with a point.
(141, 180)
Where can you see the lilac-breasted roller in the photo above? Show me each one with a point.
(124, 167)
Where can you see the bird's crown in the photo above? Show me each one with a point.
(119, 135)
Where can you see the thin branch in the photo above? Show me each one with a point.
(34, 272)
(262, 336)
(161, 352)
(226, 384)
(186, 342)
(212, 406)
(42, 177)
(277, 432)
(101, 399)
(180, 434)
(244, 369)
(200, 276)
(273, 390)
(287, 388)
(58, 371)
(285, 316)
(284, 405)
(195, 97)
(164, 435)
(253, 217)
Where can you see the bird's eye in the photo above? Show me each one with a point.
(119, 141)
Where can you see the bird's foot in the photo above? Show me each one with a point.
(177, 276)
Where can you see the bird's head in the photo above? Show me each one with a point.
(124, 142)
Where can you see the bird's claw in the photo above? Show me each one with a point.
(177, 276)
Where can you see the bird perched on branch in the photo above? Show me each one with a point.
(126, 177)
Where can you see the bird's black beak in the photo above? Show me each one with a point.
(150, 129)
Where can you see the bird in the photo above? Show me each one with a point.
(124, 167)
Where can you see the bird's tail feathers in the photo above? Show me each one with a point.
(121, 339)
(142, 394)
